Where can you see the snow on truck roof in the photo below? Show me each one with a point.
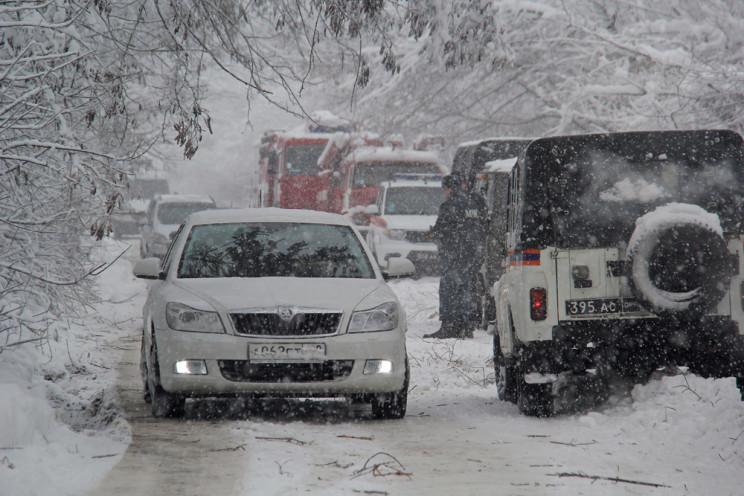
(413, 179)
(231, 215)
(385, 154)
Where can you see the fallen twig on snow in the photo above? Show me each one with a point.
(611, 479)
(236, 448)
(573, 444)
(334, 463)
(363, 438)
(290, 440)
(382, 469)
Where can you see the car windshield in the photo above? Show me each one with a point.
(591, 191)
(176, 213)
(371, 175)
(273, 249)
(302, 160)
(413, 200)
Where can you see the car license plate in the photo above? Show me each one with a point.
(596, 306)
(286, 352)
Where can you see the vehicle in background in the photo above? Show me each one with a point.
(471, 157)
(361, 172)
(625, 255)
(487, 165)
(288, 162)
(272, 303)
(165, 214)
(405, 210)
(127, 220)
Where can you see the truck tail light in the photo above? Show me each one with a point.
(538, 304)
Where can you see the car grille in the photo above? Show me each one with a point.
(269, 323)
(245, 371)
(417, 237)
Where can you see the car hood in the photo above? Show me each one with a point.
(233, 294)
(410, 222)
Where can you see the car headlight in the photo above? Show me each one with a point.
(397, 234)
(182, 317)
(380, 318)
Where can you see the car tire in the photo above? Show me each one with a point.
(506, 374)
(143, 371)
(679, 267)
(163, 403)
(387, 406)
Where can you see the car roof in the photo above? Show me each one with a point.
(184, 199)
(231, 215)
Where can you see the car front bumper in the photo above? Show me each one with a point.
(229, 372)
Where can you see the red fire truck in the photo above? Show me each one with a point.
(329, 166)
(288, 174)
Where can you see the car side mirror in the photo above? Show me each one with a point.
(148, 268)
(399, 267)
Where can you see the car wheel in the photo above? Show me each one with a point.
(679, 266)
(506, 374)
(143, 370)
(392, 405)
(163, 403)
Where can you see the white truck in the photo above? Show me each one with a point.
(401, 219)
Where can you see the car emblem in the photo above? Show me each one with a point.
(286, 313)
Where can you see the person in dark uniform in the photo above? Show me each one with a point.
(460, 234)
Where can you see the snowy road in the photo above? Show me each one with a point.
(676, 435)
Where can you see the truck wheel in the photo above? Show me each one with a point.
(506, 374)
(680, 266)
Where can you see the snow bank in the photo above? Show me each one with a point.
(60, 427)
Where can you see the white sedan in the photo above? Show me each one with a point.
(270, 302)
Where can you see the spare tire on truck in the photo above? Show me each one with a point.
(679, 264)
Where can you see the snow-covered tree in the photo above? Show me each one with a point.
(85, 89)
(511, 68)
